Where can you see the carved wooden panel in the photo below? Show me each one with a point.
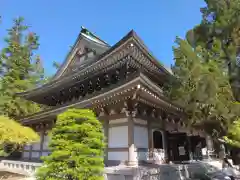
(74, 58)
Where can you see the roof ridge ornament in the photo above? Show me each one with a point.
(86, 31)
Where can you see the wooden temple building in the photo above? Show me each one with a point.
(123, 85)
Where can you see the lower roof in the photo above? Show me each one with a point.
(141, 83)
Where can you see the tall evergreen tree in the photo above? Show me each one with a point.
(221, 20)
(20, 70)
(12, 133)
(77, 146)
(202, 87)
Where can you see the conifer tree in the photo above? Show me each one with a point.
(221, 21)
(77, 148)
(20, 70)
(11, 132)
(219, 35)
(203, 88)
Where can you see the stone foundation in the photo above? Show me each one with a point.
(147, 172)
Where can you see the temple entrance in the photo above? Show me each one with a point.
(157, 139)
(197, 143)
(158, 146)
(178, 147)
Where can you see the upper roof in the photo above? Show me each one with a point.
(91, 41)
(106, 50)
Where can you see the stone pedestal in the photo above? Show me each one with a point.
(132, 156)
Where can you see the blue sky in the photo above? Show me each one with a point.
(58, 23)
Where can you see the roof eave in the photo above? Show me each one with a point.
(148, 52)
(84, 103)
(131, 34)
(35, 91)
(140, 80)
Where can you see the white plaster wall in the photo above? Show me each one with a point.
(45, 153)
(37, 145)
(35, 155)
(140, 137)
(27, 147)
(118, 137)
(25, 154)
(122, 156)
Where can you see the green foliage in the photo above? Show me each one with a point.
(202, 87)
(77, 146)
(233, 136)
(11, 132)
(20, 70)
(221, 21)
(207, 69)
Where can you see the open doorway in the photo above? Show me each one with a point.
(158, 147)
(178, 147)
(157, 139)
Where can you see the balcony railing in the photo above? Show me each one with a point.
(19, 167)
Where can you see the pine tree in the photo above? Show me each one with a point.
(20, 70)
(77, 146)
(221, 21)
(202, 88)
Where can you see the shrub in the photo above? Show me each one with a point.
(77, 148)
(13, 136)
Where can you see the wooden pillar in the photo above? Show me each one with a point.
(106, 131)
(132, 159)
(31, 147)
(165, 140)
(189, 147)
(41, 142)
(209, 143)
(165, 144)
(130, 111)
(150, 140)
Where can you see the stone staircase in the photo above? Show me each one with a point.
(147, 172)
(185, 171)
